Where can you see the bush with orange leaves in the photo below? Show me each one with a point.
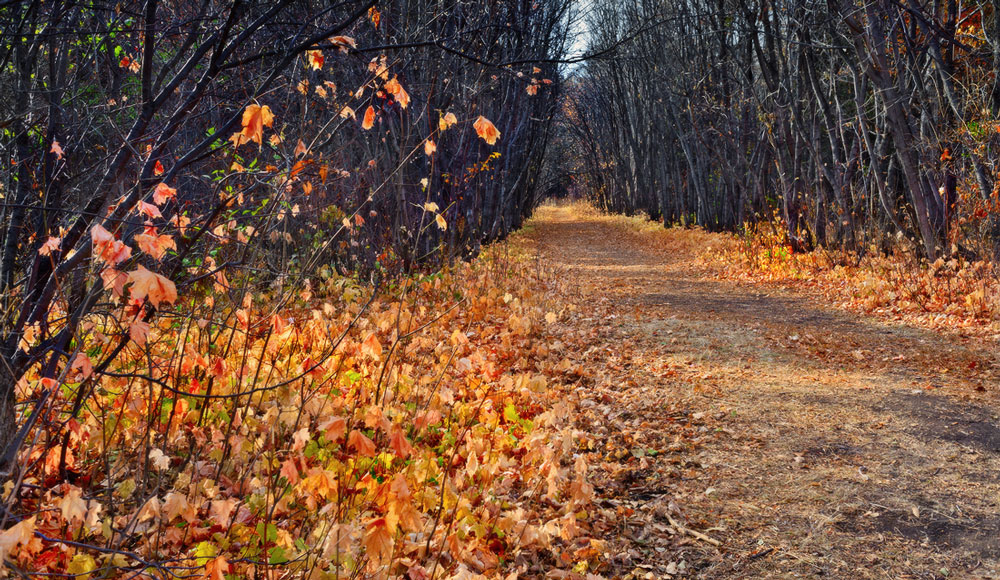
(418, 430)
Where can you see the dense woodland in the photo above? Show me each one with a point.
(856, 122)
(254, 319)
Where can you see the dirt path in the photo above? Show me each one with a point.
(808, 441)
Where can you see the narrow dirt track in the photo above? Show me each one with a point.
(808, 441)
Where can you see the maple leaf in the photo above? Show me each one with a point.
(446, 121)
(398, 442)
(427, 418)
(177, 504)
(378, 539)
(50, 245)
(430, 147)
(82, 363)
(220, 510)
(290, 471)
(360, 443)
(334, 427)
(139, 332)
(149, 210)
(152, 285)
(371, 346)
(155, 245)
(344, 43)
(159, 459)
(315, 59)
(162, 193)
(17, 535)
(486, 130)
(107, 248)
(369, 120)
(255, 118)
(216, 569)
(300, 149)
(72, 505)
(158, 168)
(300, 438)
(396, 90)
(57, 149)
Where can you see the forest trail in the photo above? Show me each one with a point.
(808, 441)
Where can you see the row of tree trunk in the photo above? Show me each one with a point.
(855, 121)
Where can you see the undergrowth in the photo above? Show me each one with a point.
(421, 431)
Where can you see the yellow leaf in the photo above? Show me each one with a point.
(440, 222)
(446, 121)
(81, 566)
(430, 147)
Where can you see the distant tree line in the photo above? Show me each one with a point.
(857, 122)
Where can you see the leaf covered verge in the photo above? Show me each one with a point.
(419, 431)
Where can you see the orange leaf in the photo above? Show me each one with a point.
(157, 168)
(216, 569)
(255, 118)
(50, 245)
(155, 245)
(18, 534)
(152, 285)
(398, 442)
(107, 248)
(486, 130)
(72, 505)
(378, 539)
(430, 147)
(335, 427)
(360, 443)
(149, 210)
(57, 149)
(344, 43)
(315, 59)
(369, 121)
(371, 346)
(139, 332)
(162, 193)
(396, 90)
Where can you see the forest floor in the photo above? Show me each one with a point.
(743, 430)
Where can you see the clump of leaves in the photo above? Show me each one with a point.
(421, 430)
